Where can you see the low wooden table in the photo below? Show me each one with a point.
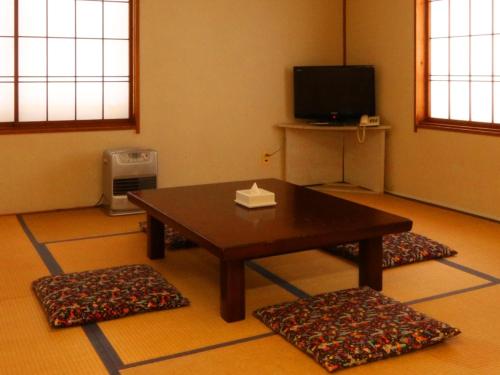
(303, 219)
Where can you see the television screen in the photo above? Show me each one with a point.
(334, 93)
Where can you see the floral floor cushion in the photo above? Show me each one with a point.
(399, 249)
(353, 327)
(173, 240)
(92, 296)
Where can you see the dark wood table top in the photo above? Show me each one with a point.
(302, 219)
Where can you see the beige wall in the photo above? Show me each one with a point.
(457, 170)
(216, 76)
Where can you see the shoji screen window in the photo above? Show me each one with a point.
(67, 65)
(458, 65)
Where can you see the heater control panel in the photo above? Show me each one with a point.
(134, 157)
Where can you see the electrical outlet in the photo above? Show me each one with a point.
(266, 158)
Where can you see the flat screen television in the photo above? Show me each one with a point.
(334, 94)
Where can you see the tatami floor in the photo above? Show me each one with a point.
(463, 291)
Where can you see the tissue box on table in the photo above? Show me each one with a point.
(255, 197)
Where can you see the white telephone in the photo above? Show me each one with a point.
(364, 122)
(369, 120)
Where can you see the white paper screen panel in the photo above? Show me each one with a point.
(62, 18)
(6, 17)
(73, 60)
(465, 60)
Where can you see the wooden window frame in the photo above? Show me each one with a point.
(131, 123)
(422, 95)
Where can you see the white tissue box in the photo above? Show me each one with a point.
(255, 197)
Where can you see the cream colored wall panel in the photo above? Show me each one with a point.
(215, 77)
(364, 162)
(313, 157)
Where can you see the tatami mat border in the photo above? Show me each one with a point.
(93, 237)
(112, 360)
(472, 271)
(276, 279)
(103, 348)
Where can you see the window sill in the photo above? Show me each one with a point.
(459, 126)
(68, 126)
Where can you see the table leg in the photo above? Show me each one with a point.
(370, 263)
(232, 290)
(156, 238)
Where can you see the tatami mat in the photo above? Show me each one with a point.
(29, 346)
(477, 349)
(19, 261)
(85, 222)
(81, 255)
(426, 279)
(313, 271)
(318, 272)
(195, 272)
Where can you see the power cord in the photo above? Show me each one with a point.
(100, 201)
(361, 134)
(269, 154)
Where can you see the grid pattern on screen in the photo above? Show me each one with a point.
(464, 60)
(64, 60)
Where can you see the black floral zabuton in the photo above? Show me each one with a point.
(352, 327)
(92, 296)
(399, 249)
